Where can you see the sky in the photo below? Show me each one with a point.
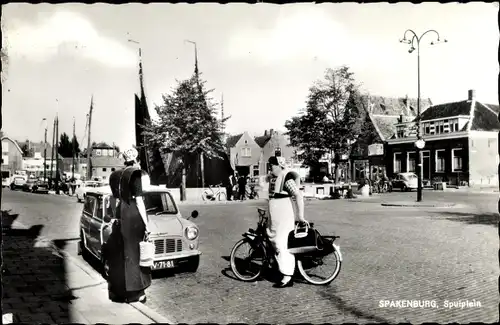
(262, 58)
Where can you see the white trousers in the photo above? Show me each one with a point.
(281, 222)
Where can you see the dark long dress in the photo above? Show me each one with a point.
(127, 280)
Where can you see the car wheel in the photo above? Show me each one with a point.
(405, 188)
(192, 264)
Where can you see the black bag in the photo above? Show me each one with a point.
(303, 240)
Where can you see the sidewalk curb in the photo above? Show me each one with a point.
(151, 314)
(417, 205)
(143, 309)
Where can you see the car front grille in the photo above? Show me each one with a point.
(169, 245)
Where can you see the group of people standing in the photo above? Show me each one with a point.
(236, 186)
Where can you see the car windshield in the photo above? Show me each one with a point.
(159, 203)
(411, 176)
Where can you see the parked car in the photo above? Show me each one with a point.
(176, 239)
(81, 189)
(405, 181)
(17, 182)
(36, 186)
(5, 178)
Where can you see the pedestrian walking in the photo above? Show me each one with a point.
(229, 187)
(126, 278)
(242, 184)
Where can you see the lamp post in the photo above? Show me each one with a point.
(414, 42)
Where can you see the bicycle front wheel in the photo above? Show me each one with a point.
(320, 269)
(247, 267)
(222, 196)
(205, 195)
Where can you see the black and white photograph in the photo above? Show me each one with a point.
(250, 163)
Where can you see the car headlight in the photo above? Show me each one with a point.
(191, 233)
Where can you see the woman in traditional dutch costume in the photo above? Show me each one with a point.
(286, 205)
(127, 279)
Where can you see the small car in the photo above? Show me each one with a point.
(81, 189)
(405, 181)
(36, 186)
(176, 239)
(17, 183)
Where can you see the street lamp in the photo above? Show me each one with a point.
(414, 43)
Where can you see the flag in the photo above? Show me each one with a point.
(150, 158)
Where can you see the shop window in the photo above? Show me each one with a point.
(397, 162)
(456, 164)
(411, 162)
(440, 160)
(255, 170)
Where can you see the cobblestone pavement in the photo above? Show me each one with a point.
(390, 253)
(33, 278)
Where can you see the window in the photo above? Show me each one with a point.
(456, 163)
(411, 161)
(98, 214)
(440, 159)
(89, 205)
(104, 169)
(427, 128)
(246, 152)
(256, 170)
(400, 130)
(98, 152)
(5, 147)
(456, 126)
(113, 169)
(159, 203)
(397, 162)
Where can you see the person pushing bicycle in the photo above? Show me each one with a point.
(286, 204)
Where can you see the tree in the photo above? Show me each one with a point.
(187, 124)
(26, 149)
(328, 124)
(76, 146)
(65, 148)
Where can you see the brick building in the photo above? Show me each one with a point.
(460, 144)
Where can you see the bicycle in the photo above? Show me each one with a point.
(211, 195)
(260, 248)
(251, 193)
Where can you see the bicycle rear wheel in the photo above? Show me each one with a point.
(205, 195)
(248, 268)
(320, 268)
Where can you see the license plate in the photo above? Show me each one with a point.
(163, 265)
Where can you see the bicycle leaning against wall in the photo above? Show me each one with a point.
(214, 195)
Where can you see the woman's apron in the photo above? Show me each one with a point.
(281, 222)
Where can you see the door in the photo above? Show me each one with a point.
(426, 165)
(94, 240)
(87, 214)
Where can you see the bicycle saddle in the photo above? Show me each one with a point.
(261, 211)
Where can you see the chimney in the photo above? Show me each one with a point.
(271, 132)
(400, 118)
(472, 94)
(265, 132)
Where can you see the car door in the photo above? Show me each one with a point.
(397, 182)
(108, 220)
(95, 225)
(88, 211)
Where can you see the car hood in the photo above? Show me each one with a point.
(171, 225)
(412, 182)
